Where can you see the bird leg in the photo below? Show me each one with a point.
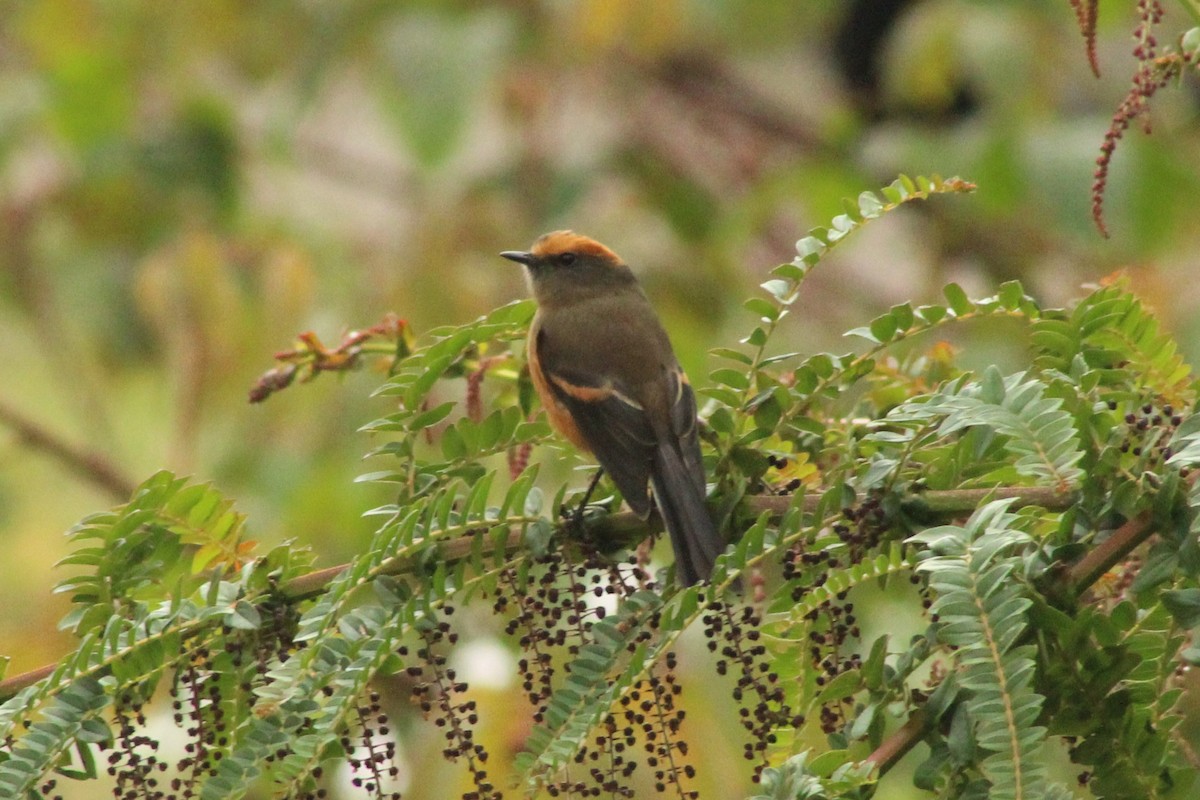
(577, 515)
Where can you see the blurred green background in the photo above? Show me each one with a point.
(186, 186)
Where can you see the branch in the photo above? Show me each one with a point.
(1106, 555)
(624, 529)
(90, 466)
(896, 746)
(1077, 579)
(927, 505)
(930, 505)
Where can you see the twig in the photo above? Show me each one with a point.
(896, 746)
(1104, 556)
(93, 467)
(625, 529)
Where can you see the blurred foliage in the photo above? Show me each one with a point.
(186, 187)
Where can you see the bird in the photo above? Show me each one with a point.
(606, 374)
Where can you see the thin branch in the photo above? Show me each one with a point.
(1106, 555)
(91, 466)
(896, 746)
(938, 504)
(624, 529)
(16, 683)
(964, 501)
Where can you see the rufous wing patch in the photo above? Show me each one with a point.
(595, 394)
(586, 394)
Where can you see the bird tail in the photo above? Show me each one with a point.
(680, 500)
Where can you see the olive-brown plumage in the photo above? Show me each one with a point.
(605, 372)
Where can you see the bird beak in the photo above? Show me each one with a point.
(518, 256)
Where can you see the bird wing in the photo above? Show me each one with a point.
(634, 450)
(615, 426)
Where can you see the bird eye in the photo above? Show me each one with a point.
(566, 259)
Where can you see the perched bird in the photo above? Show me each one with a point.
(607, 376)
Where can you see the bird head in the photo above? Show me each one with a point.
(563, 265)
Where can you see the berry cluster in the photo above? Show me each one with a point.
(609, 768)
(651, 707)
(198, 691)
(438, 688)
(550, 611)
(832, 624)
(864, 525)
(378, 759)
(133, 762)
(647, 712)
(1147, 431)
(47, 789)
(807, 569)
(196, 704)
(827, 649)
(861, 532)
(738, 638)
(551, 616)
(781, 463)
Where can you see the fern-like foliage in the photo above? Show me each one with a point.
(1038, 435)
(171, 536)
(982, 611)
(801, 777)
(310, 701)
(1113, 338)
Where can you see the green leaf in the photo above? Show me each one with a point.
(827, 763)
(1039, 432)
(1184, 605)
(873, 667)
(757, 337)
(957, 298)
(1011, 295)
(903, 316)
(244, 616)
(864, 333)
(732, 355)
(983, 613)
(869, 205)
(781, 290)
(932, 315)
(764, 309)
(1189, 43)
(809, 250)
(721, 421)
(533, 502)
(843, 685)
(538, 536)
(453, 446)
(767, 414)
(431, 417)
(731, 378)
(883, 327)
(862, 723)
